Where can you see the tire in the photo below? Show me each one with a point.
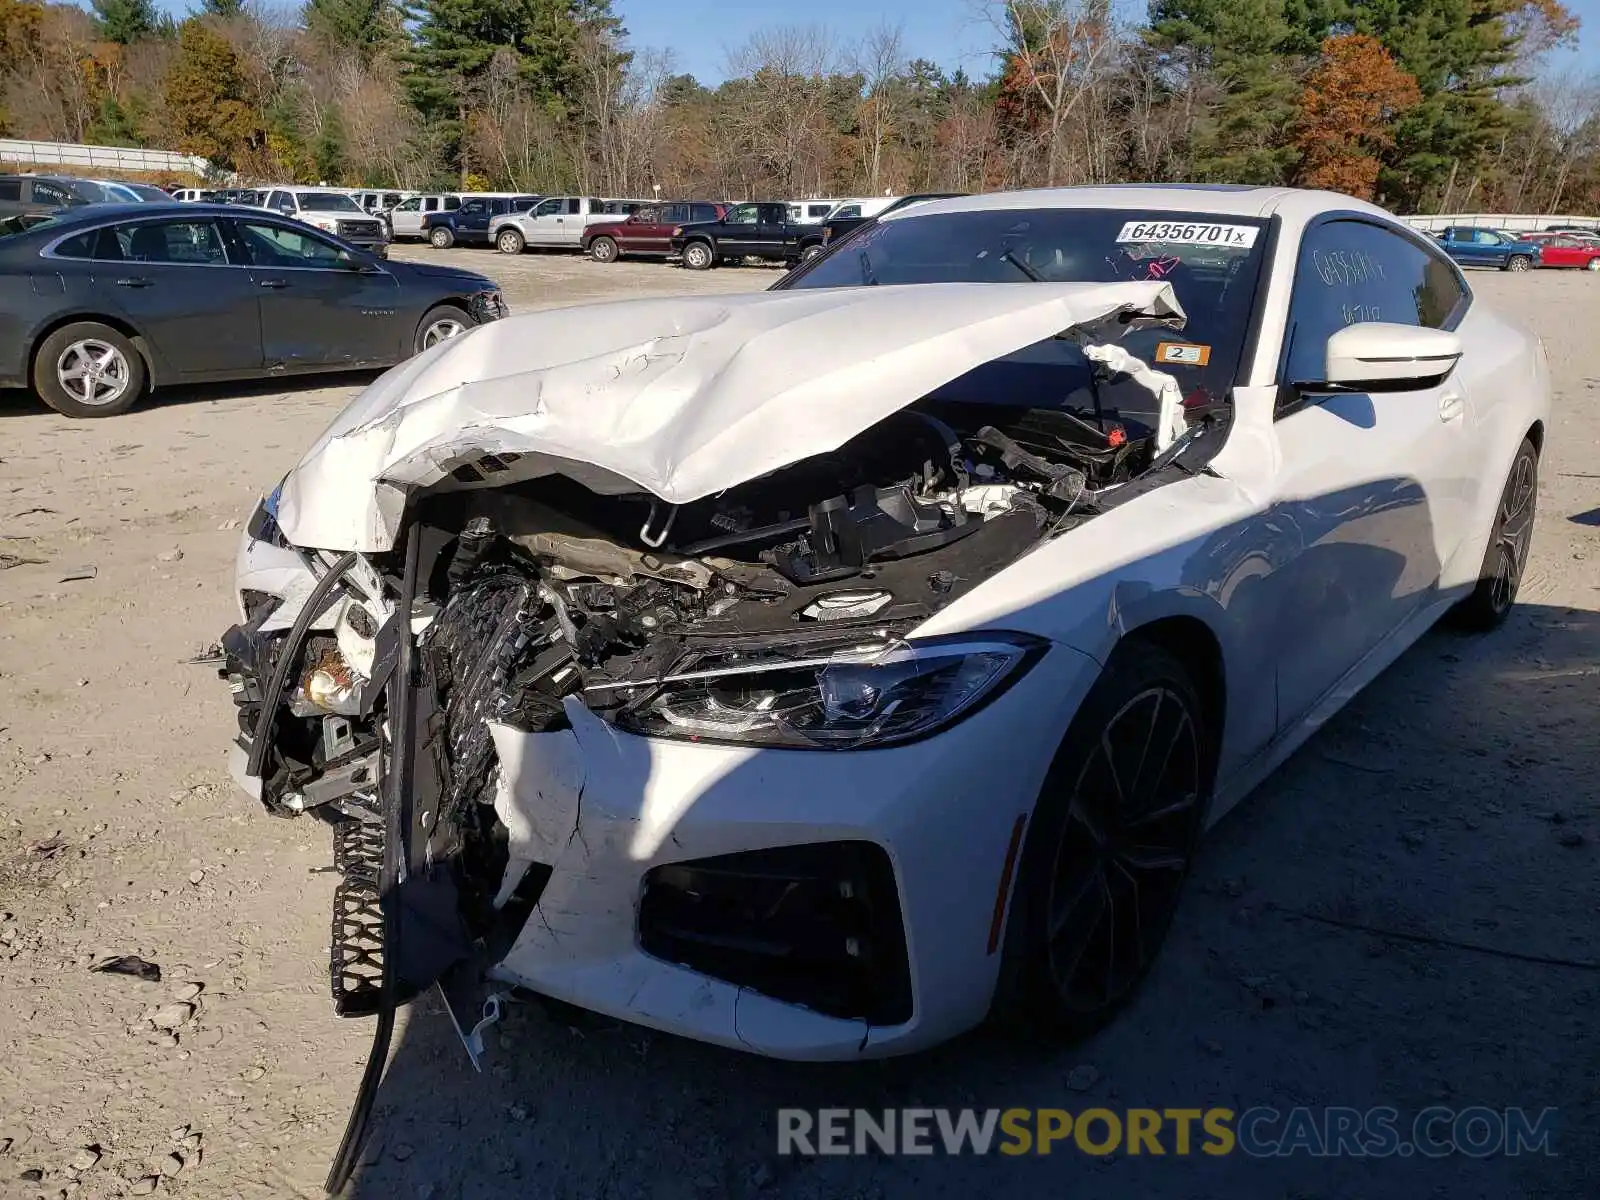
(603, 250)
(1506, 556)
(698, 256)
(87, 369)
(1592, 265)
(440, 324)
(441, 238)
(810, 252)
(1519, 262)
(1092, 905)
(510, 241)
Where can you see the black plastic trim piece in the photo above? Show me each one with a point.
(394, 815)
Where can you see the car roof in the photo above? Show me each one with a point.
(90, 214)
(1220, 199)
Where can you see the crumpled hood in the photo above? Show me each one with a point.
(681, 396)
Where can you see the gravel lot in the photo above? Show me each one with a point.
(1455, 800)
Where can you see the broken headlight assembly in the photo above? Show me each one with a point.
(849, 696)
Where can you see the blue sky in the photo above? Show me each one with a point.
(953, 33)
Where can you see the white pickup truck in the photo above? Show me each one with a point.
(557, 222)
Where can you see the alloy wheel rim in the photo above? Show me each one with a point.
(508, 243)
(1515, 532)
(604, 249)
(1124, 851)
(93, 372)
(442, 330)
(1519, 264)
(698, 255)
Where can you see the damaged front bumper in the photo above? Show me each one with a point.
(802, 904)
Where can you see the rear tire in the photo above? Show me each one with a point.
(1506, 557)
(698, 256)
(1519, 262)
(87, 369)
(603, 250)
(510, 241)
(1592, 265)
(810, 252)
(441, 238)
(1108, 847)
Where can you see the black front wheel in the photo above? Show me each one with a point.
(1108, 847)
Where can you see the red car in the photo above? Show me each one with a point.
(647, 231)
(1564, 250)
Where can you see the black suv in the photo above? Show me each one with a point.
(469, 224)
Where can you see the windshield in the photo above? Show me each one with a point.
(1211, 262)
(327, 202)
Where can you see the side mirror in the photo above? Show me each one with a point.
(1378, 356)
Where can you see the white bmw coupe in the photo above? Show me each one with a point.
(818, 670)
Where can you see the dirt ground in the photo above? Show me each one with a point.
(1454, 801)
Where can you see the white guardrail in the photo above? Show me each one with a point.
(114, 158)
(1510, 222)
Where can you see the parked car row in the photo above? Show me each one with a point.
(699, 233)
(100, 302)
(1474, 247)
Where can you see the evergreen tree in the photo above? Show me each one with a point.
(208, 104)
(365, 28)
(1242, 45)
(222, 8)
(125, 21)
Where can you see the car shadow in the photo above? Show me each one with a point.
(20, 402)
(1347, 939)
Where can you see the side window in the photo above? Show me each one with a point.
(473, 208)
(49, 193)
(821, 210)
(548, 209)
(390, 199)
(1352, 271)
(775, 214)
(80, 246)
(412, 205)
(574, 206)
(1485, 237)
(10, 189)
(849, 210)
(451, 203)
(703, 212)
(277, 246)
(743, 214)
(192, 243)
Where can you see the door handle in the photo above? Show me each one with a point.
(1451, 406)
(275, 284)
(135, 281)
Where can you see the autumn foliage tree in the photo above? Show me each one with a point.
(207, 101)
(1350, 99)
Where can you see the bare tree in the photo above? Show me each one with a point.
(781, 112)
(1058, 52)
(1570, 102)
(880, 61)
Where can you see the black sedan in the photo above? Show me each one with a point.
(98, 303)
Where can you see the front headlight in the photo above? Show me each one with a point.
(677, 231)
(849, 695)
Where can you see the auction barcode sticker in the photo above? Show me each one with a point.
(1189, 233)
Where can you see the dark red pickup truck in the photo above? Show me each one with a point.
(647, 231)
